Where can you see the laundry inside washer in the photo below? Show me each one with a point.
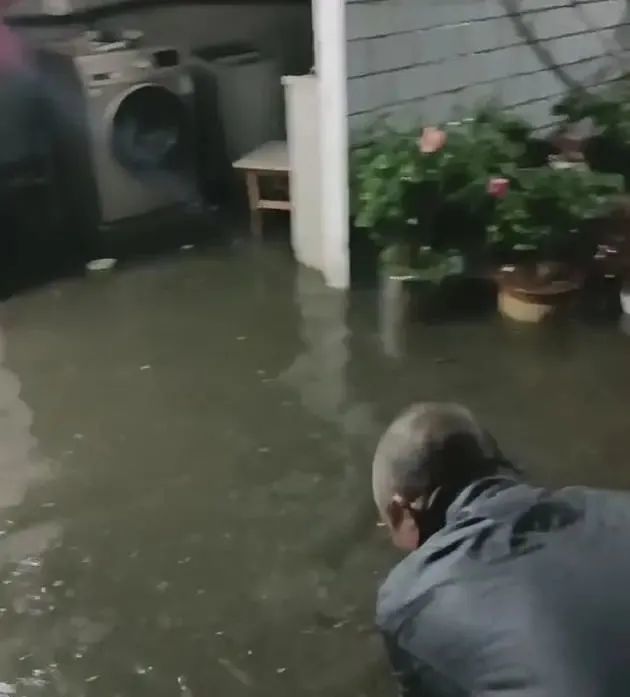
(149, 132)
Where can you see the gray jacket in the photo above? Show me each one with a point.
(524, 593)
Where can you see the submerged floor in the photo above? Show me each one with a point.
(184, 469)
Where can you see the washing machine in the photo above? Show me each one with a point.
(123, 119)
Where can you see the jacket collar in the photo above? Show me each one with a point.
(478, 492)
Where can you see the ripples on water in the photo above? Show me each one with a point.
(188, 512)
(178, 528)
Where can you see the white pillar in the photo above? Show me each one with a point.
(329, 33)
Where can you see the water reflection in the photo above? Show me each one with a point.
(215, 506)
(19, 464)
(319, 374)
(393, 316)
(205, 524)
(24, 595)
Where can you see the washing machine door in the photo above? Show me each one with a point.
(150, 133)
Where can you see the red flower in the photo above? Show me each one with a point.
(498, 187)
(431, 140)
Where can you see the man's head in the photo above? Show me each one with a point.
(428, 455)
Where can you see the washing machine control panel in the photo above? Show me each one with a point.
(166, 58)
(105, 68)
(142, 63)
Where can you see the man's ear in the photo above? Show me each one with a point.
(396, 511)
(404, 529)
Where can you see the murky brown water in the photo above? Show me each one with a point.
(184, 469)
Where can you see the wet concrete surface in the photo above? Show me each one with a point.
(185, 452)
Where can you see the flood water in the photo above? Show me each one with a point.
(185, 452)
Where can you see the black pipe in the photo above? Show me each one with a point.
(513, 11)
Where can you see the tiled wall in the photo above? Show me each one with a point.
(415, 60)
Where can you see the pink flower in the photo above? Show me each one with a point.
(498, 187)
(431, 140)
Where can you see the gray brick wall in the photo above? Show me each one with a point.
(422, 60)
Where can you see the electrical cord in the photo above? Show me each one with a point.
(513, 11)
(546, 57)
(616, 50)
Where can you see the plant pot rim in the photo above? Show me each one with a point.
(515, 281)
(529, 309)
(394, 275)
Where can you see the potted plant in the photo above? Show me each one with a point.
(539, 230)
(395, 198)
(534, 151)
(423, 199)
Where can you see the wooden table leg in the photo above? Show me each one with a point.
(253, 194)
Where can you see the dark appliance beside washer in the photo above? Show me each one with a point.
(239, 106)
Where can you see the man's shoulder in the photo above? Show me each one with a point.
(477, 537)
(411, 586)
(496, 576)
(446, 556)
(395, 590)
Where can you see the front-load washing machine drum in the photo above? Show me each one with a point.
(150, 132)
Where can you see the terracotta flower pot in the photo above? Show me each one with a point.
(533, 294)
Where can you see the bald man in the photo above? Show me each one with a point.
(508, 589)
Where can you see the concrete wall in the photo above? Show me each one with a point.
(418, 60)
(282, 30)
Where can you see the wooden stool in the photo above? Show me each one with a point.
(269, 160)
